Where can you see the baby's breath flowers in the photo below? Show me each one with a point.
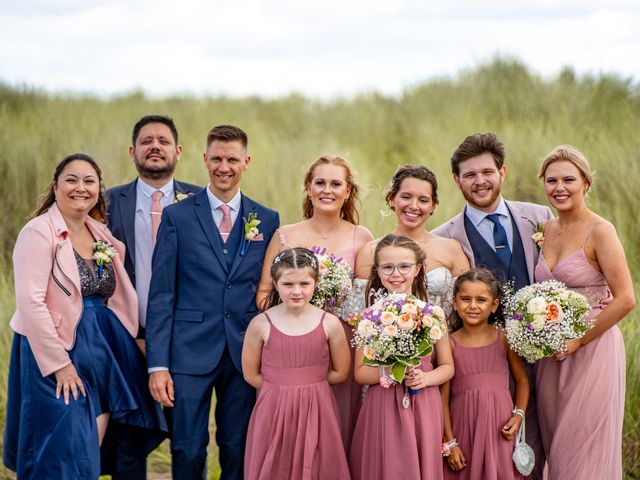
(540, 318)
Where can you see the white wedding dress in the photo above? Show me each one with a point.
(439, 292)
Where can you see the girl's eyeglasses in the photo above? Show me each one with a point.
(389, 268)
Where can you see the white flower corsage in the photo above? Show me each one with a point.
(103, 252)
(181, 196)
(250, 231)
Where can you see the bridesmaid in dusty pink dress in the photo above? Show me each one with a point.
(398, 434)
(291, 353)
(331, 222)
(581, 391)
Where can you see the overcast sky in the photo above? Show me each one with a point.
(319, 48)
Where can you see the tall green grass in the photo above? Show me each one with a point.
(598, 114)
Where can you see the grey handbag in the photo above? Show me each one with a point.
(523, 456)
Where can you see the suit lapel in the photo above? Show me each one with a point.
(458, 232)
(248, 207)
(203, 212)
(179, 187)
(127, 208)
(525, 227)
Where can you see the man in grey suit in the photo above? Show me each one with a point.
(496, 234)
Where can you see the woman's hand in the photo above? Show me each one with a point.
(511, 427)
(569, 347)
(456, 460)
(68, 381)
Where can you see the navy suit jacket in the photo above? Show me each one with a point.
(122, 217)
(197, 304)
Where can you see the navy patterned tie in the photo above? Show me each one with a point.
(500, 240)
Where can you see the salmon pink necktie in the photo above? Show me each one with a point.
(156, 214)
(225, 224)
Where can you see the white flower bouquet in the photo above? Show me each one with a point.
(397, 331)
(335, 281)
(540, 318)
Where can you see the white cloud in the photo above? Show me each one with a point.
(321, 48)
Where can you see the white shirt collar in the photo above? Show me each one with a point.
(215, 202)
(147, 190)
(476, 216)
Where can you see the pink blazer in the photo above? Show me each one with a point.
(47, 284)
(526, 215)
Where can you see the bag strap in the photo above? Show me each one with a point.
(521, 435)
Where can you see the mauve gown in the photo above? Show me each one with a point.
(392, 442)
(348, 394)
(293, 431)
(480, 406)
(581, 399)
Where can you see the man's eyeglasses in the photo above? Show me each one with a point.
(389, 268)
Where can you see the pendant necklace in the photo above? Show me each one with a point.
(405, 399)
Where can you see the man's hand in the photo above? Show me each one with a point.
(161, 387)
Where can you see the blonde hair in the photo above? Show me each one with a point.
(568, 153)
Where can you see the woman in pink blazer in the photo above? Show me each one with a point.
(77, 381)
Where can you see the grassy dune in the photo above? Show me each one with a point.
(599, 114)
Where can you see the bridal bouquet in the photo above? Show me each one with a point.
(397, 331)
(540, 318)
(335, 281)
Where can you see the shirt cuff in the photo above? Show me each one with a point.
(157, 369)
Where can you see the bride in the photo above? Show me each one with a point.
(413, 196)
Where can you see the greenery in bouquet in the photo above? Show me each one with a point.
(397, 331)
(335, 281)
(541, 317)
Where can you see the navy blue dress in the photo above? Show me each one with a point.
(46, 439)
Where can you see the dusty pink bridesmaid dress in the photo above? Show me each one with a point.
(480, 406)
(293, 431)
(581, 399)
(392, 442)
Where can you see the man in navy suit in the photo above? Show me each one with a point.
(155, 151)
(205, 276)
(496, 234)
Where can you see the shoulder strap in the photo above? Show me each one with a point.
(595, 224)
(268, 318)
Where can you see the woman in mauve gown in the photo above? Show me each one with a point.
(581, 390)
(330, 222)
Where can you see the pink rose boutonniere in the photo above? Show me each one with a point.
(538, 236)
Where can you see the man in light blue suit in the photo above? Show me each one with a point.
(496, 234)
(206, 272)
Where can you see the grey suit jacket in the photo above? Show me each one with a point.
(526, 216)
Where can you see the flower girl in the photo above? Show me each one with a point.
(398, 434)
(292, 352)
(480, 420)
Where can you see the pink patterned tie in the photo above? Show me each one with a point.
(225, 224)
(156, 214)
